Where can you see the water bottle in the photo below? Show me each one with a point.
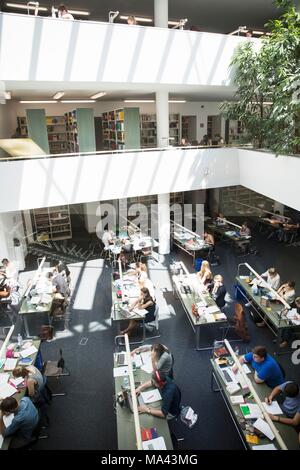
(20, 341)
(126, 382)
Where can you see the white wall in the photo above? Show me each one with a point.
(8, 123)
(274, 177)
(47, 49)
(11, 226)
(70, 180)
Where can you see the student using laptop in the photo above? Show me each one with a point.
(267, 370)
(287, 291)
(144, 302)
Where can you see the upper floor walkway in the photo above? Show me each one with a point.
(80, 53)
(44, 181)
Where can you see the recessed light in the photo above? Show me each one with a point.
(38, 101)
(77, 101)
(139, 101)
(97, 95)
(138, 18)
(58, 95)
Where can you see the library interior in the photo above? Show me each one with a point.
(150, 225)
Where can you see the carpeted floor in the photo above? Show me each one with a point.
(84, 418)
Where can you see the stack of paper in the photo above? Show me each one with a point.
(151, 396)
(155, 444)
(274, 408)
(237, 400)
(10, 364)
(263, 427)
(28, 351)
(7, 390)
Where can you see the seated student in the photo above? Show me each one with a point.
(25, 420)
(245, 230)
(33, 378)
(11, 272)
(62, 268)
(184, 143)
(170, 394)
(290, 405)
(107, 238)
(59, 284)
(273, 278)
(144, 302)
(141, 273)
(161, 357)
(206, 140)
(205, 275)
(288, 229)
(209, 239)
(287, 334)
(266, 368)
(287, 291)
(218, 291)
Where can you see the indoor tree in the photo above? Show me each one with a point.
(268, 85)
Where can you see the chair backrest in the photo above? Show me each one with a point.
(240, 326)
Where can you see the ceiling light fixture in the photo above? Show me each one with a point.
(58, 95)
(177, 101)
(98, 95)
(173, 23)
(77, 101)
(25, 7)
(38, 101)
(138, 18)
(139, 101)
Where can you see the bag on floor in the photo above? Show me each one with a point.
(188, 416)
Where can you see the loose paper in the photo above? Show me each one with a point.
(28, 351)
(155, 444)
(120, 371)
(263, 427)
(7, 390)
(274, 408)
(151, 396)
(10, 364)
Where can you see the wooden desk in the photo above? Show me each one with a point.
(22, 391)
(187, 300)
(125, 422)
(288, 433)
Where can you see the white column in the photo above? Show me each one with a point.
(162, 118)
(161, 13)
(163, 201)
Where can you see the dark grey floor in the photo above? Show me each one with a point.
(84, 419)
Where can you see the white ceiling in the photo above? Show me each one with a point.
(115, 92)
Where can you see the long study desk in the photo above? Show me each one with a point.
(227, 232)
(191, 246)
(271, 314)
(22, 391)
(188, 299)
(288, 433)
(125, 421)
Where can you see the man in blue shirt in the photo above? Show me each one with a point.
(266, 368)
(24, 421)
(290, 405)
(170, 394)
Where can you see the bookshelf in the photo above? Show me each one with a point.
(148, 130)
(56, 131)
(236, 132)
(185, 127)
(57, 134)
(174, 129)
(241, 194)
(72, 132)
(22, 125)
(149, 133)
(51, 223)
(120, 129)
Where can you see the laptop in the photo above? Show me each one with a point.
(126, 313)
(227, 375)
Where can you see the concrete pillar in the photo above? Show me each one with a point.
(163, 201)
(162, 118)
(161, 13)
